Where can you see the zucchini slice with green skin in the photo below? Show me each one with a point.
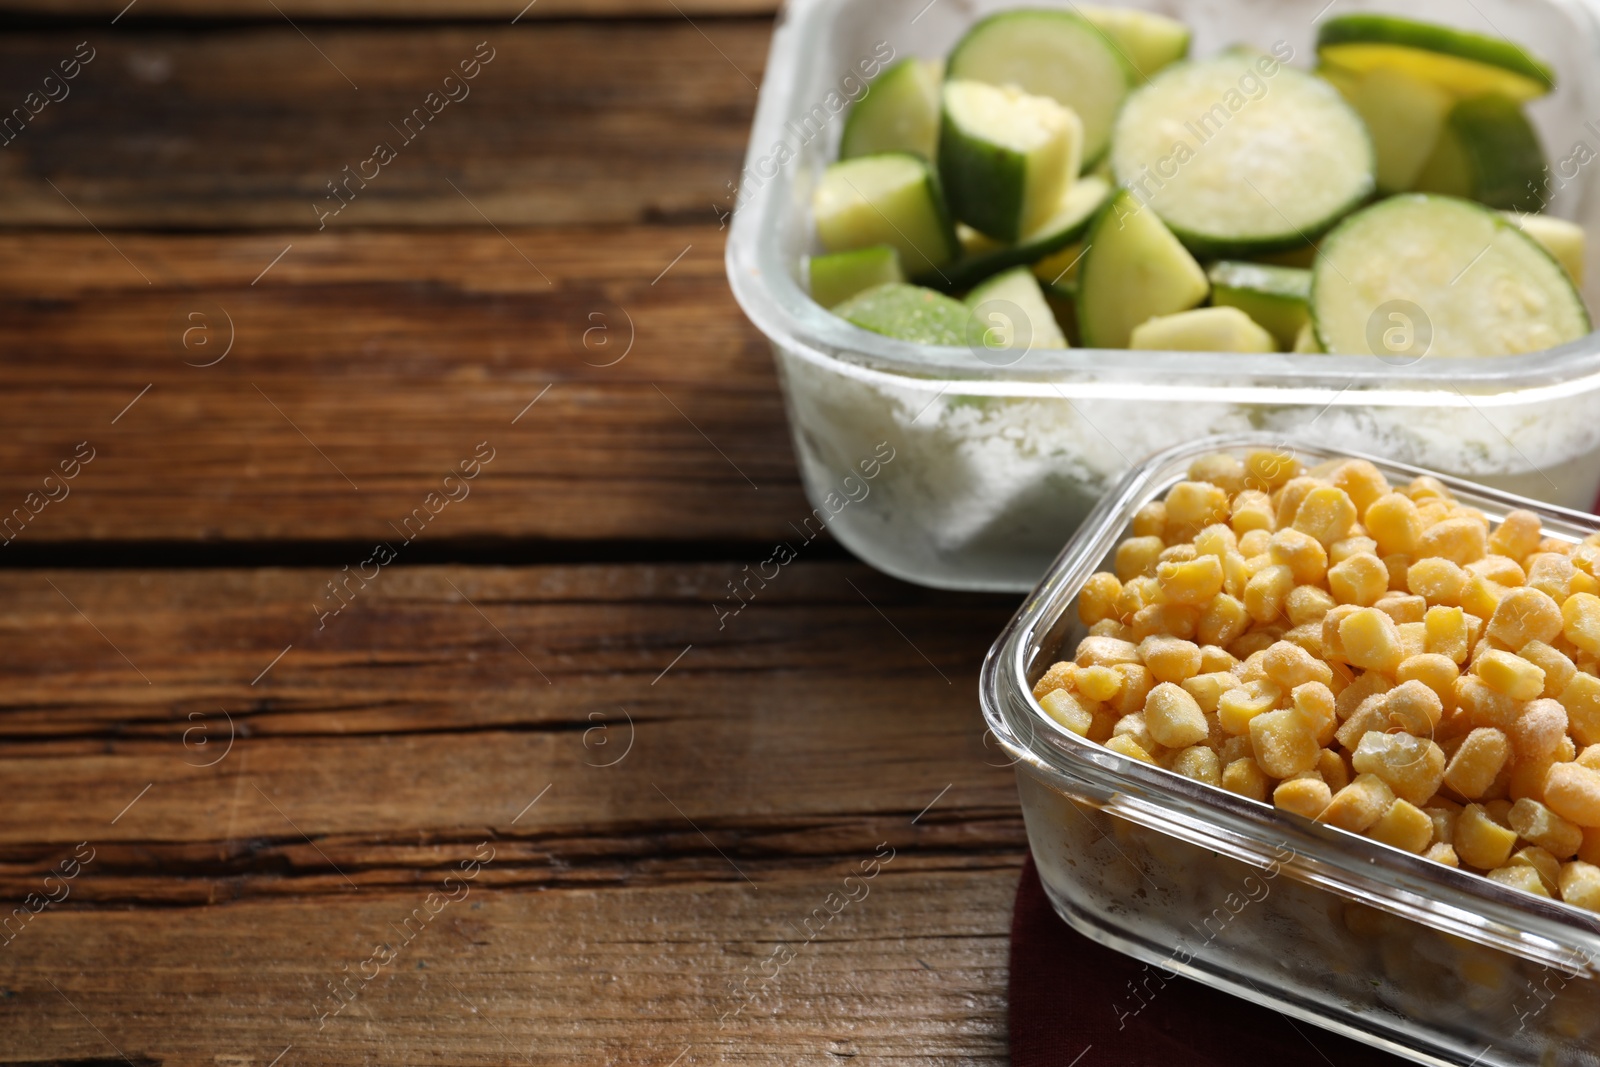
(1464, 63)
(1066, 227)
(1241, 155)
(838, 276)
(1005, 156)
(1405, 115)
(1562, 239)
(890, 199)
(1488, 152)
(1423, 275)
(1050, 53)
(1133, 269)
(1146, 40)
(898, 113)
(909, 313)
(1214, 329)
(1278, 298)
(1011, 311)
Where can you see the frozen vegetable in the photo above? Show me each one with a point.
(840, 275)
(898, 113)
(890, 199)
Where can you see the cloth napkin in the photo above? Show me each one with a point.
(1064, 986)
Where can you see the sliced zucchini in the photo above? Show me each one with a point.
(1146, 40)
(909, 313)
(1405, 115)
(1279, 298)
(1011, 311)
(1305, 342)
(1562, 239)
(1237, 175)
(1133, 269)
(838, 276)
(1005, 156)
(1466, 64)
(898, 113)
(1488, 152)
(1214, 329)
(1083, 199)
(1058, 274)
(1049, 53)
(1419, 275)
(891, 199)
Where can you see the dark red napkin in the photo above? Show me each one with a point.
(1064, 986)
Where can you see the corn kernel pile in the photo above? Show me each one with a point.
(1373, 657)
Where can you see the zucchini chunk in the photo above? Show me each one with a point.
(890, 199)
(1488, 152)
(838, 276)
(1012, 313)
(1146, 40)
(1066, 227)
(1278, 298)
(1213, 329)
(1463, 63)
(909, 313)
(898, 113)
(1132, 270)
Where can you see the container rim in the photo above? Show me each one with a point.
(765, 287)
(1354, 867)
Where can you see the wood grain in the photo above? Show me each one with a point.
(568, 123)
(773, 757)
(379, 10)
(394, 355)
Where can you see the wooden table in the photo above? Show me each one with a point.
(506, 792)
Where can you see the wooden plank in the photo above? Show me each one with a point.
(912, 973)
(731, 787)
(375, 10)
(388, 358)
(566, 123)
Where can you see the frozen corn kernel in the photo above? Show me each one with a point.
(1059, 676)
(1244, 777)
(1302, 796)
(1207, 689)
(1581, 698)
(1403, 826)
(1150, 520)
(1285, 742)
(1399, 566)
(1539, 730)
(1216, 540)
(1361, 579)
(1136, 595)
(1402, 607)
(1127, 746)
(1508, 673)
(1193, 582)
(1520, 877)
(1480, 596)
(1134, 727)
(1392, 521)
(1525, 615)
(1538, 825)
(1222, 621)
(1255, 543)
(1358, 805)
(1480, 841)
(1517, 536)
(1200, 763)
(1369, 684)
(1485, 706)
(1099, 683)
(1253, 642)
(1447, 633)
(1307, 604)
(1170, 659)
(1413, 639)
(1137, 556)
(1192, 506)
(1436, 672)
(1557, 576)
(1580, 885)
(1340, 551)
(1237, 707)
(1098, 599)
(1106, 652)
(1177, 553)
(1221, 470)
(1572, 791)
(1498, 569)
(1288, 499)
(1413, 707)
(1333, 770)
(1558, 668)
(1174, 620)
(1589, 757)
(1268, 469)
(1252, 510)
(1443, 813)
(1267, 591)
(1459, 540)
(1439, 581)
(1476, 765)
(1315, 703)
(1362, 482)
(1332, 646)
(1548, 866)
(1431, 512)
(1213, 659)
(1301, 553)
(1580, 617)
(1074, 712)
(1442, 853)
(1370, 640)
(1173, 717)
(1370, 717)
(1326, 513)
(1289, 665)
(1412, 767)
